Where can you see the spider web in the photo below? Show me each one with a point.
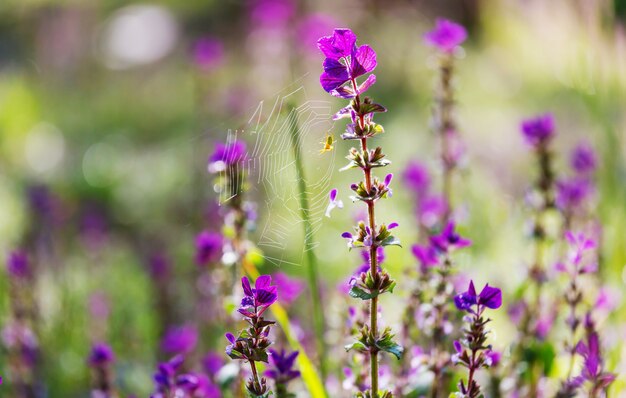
(271, 170)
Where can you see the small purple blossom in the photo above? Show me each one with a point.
(208, 52)
(100, 355)
(449, 239)
(180, 339)
(18, 265)
(212, 363)
(592, 369)
(489, 297)
(446, 35)
(289, 288)
(345, 62)
(227, 155)
(416, 177)
(426, 255)
(272, 13)
(538, 130)
(208, 247)
(159, 266)
(583, 159)
(282, 364)
(258, 299)
(572, 193)
(333, 202)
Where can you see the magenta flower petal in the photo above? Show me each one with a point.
(363, 61)
(341, 44)
(335, 75)
(538, 130)
(245, 283)
(490, 297)
(446, 36)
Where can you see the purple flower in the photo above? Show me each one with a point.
(583, 159)
(282, 366)
(489, 297)
(538, 130)
(272, 13)
(572, 193)
(289, 288)
(446, 36)
(159, 266)
(431, 210)
(416, 177)
(227, 155)
(449, 240)
(345, 62)
(312, 27)
(208, 247)
(492, 358)
(208, 52)
(164, 375)
(101, 354)
(592, 369)
(333, 202)
(180, 340)
(212, 363)
(18, 265)
(258, 299)
(426, 255)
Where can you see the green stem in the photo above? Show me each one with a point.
(318, 313)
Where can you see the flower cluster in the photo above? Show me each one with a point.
(169, 383)
(344, 63)
(100, 358)
(282, 371)
(472, 351)
(252, 343)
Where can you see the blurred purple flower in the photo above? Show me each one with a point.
(272, 13)
(345, 62)
(208, 247)
(492, 358)
(99, 305)
(165, 373)
(426, 255)
(180, 339)
(538, 130)
(41, 200)
(416, 177)
(592, 369)
(431, 210)
(18, 265)
(100, 355)
(572, 193)
(446, 35)
(281, 370)
(583, 159)
(258, 299)
(208, 52)
(212, 363)
(159, 266)
(289, 288)
(226, 155)
(449, 239)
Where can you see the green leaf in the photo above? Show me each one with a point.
(391, 241)
(391, 347)
(357, 292)
(350, 165)
(357, 345)
(365, 108)
(380, 163)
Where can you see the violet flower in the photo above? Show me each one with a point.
(18, 265)
(539, 130)
(252, 343)
(583, 159)
(572, 193)
(227, 155)
(449, 240)
(446, 35)
(333, 202)
(165, 377)
(208, 53)
(208, 247)
(472, 352)
(417, 178)
(101, 354)
(100, 358)
(289, 288)
(180, 339)
(344, 63)
(281, 371)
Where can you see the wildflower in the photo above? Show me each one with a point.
(18, 265)
(281, 370)
(101, 354)
(208, 247)
(208, 52)
(227, 155)
(539, 130)
(583, 159)
(572, 193)
(258, 299)
(333, 202)
(345, 62)
(417, 178)
(489, 297)
(180, 340)
(446, 36)
(449, 239)
(289, 288)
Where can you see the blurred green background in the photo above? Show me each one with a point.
(114, 107)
